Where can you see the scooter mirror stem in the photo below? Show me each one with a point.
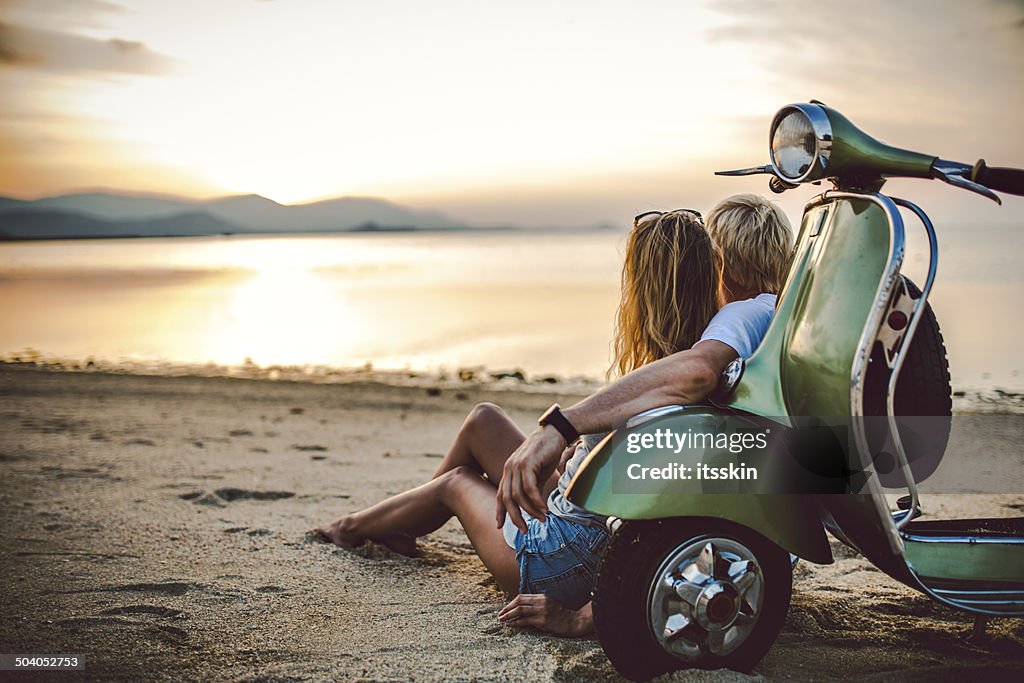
(755, 170)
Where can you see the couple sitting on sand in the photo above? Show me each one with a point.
(694, 297)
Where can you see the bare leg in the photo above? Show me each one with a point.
(485, 441)
(394, 522)
(472, 500)
(460, 492)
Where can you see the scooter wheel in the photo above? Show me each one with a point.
(923, 390)
(689, 592)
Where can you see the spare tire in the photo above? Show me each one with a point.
(923, 398)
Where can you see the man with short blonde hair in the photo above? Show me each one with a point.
(756, 243)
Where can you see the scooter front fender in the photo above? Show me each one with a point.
(791, 521)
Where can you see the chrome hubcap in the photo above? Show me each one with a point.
(706, 598)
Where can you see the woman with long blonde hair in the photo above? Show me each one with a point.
(670, 291)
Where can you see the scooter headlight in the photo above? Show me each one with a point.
(800, 142)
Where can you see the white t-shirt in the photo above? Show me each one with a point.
(742, 324)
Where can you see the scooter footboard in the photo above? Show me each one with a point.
(973, 564)
(621, 480)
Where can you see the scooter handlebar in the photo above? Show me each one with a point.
(1008, 180)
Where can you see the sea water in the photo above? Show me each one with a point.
(542, 303)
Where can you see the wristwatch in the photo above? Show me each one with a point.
(553, 416)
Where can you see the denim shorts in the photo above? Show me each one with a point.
(559, 558)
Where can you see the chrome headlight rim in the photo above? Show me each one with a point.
(822, 128)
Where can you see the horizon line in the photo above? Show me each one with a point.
(147, 194)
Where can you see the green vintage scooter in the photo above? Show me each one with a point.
(699, 572)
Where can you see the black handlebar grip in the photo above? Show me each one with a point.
(1009, 180)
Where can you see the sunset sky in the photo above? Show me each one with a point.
(527, 113)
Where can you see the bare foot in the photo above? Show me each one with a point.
(341, 533)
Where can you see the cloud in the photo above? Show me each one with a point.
(931, 61)
(25, 47)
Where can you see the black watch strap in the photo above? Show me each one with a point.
(554, 417)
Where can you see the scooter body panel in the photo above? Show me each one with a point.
(803, 366)
(813, 357)
(602, 484)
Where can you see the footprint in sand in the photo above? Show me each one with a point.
(221, 497)
(145, 609)
(139, 442)
(58, 472)
(170, 634)
(161, 588)
(232, 494)
(54, 425)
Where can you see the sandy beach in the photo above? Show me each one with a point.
(157, 527)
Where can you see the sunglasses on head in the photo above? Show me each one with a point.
(654, 214)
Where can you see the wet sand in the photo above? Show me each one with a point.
(156, 526)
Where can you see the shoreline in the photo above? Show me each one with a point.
(477, 376)
(966, 401)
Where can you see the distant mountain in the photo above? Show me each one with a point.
(105, 205)
(48, 225)
(242, 213)
(362, 211)
(254, 212)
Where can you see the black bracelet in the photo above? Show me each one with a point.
(554, 417)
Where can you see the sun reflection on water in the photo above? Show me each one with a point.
(540, 302)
